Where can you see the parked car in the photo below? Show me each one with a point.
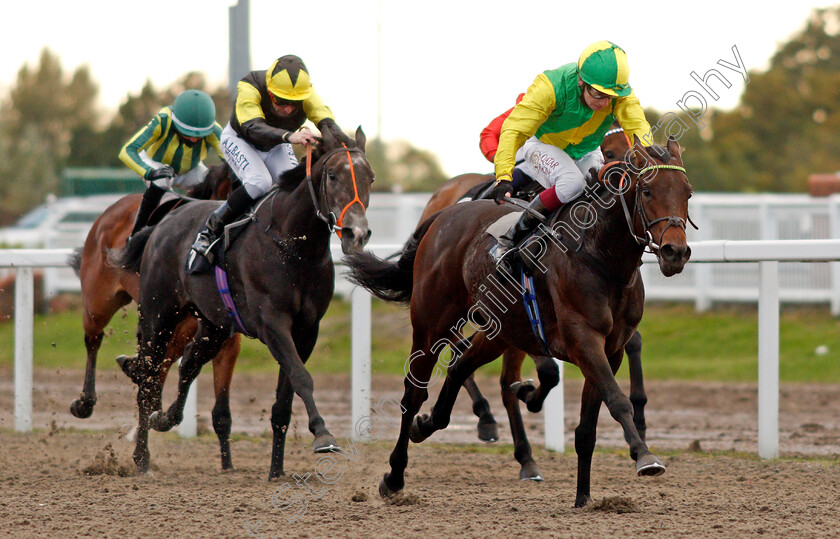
(59, 222)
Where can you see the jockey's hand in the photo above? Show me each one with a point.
(162, 173)
(304, 136)
(502, 189)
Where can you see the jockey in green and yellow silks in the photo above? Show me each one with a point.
(557, 128)
(170, 149)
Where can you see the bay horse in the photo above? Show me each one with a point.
(281, 279)
(591, 299)
(106, 289)
(615, 145)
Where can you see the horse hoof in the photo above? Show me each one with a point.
(325, 443)
(530, 472)
(488, 432)
(159, 422)
(649, 466)
(581, 501)
(522, 389)
(385, 491)
(414, 433)
(82, 408)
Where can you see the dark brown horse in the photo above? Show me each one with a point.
(281, 277)
(591, 298)
(614, 146)
(106, 289)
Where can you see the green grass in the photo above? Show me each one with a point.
(678, 344)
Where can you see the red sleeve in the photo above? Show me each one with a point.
(489, 141)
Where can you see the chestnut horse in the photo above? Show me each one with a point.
(106, 289)
(280, 275)
(614, 146)
(591, 298)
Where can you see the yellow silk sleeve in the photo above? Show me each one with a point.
(315, 109)
(247, 103)
(631, 116)
(527, 116)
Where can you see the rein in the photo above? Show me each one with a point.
(333, 223)
(646, 240)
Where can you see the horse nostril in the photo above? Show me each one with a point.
(667, 251)
(687, 253)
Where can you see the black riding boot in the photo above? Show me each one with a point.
(151, 199)
(526, 223)
(237, 204)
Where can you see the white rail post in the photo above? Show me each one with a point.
(24, 312)
(189, 424)
(360, 306)
(702, 272)
(554, 416)
(834, 267)
(768, 360)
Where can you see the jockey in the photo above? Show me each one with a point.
(271, 107)
(169, 150)
(557, 128)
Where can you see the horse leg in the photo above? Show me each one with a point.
(223, 365)
(281, 414)
(638, 397)
(601, 372)
(418, 371)
(282, 347)
(96, 317)
(488, 430)
(480, 352)
(206, 344)
(511, 369)
(150, 360)
(585, 435)
(548, 373)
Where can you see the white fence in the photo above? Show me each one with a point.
(769, 255)
(393, 217)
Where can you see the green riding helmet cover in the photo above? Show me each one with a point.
(603, 65)
(194, 113)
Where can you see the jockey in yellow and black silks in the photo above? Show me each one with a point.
(170, 149)
(557, 128)
(271, 107)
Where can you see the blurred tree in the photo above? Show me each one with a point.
(37, 122)
(401, 167)
(788, 123)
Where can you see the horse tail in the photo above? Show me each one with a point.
(75, 261)
(130, 256)
(391, 281)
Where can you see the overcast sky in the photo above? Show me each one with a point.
(447, 67)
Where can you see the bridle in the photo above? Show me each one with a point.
(646, 240)
(320, 201)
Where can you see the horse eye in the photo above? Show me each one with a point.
(331, 175)
(646, 191)
(372, 179)
(609, 154)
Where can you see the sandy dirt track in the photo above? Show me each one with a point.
(62, 481)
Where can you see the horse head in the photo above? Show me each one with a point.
(661, 191)
(345, 179)
(615, 144)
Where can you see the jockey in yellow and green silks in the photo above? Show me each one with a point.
(557, 128)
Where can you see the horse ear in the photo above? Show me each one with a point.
(638, 153)
(328, 138)
(360, 138)
(674, 148)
